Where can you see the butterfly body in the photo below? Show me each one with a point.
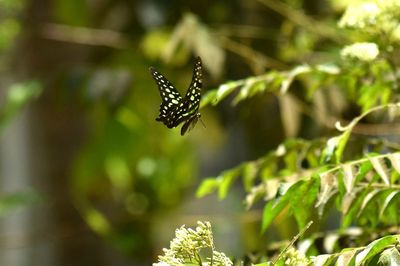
(174, 108)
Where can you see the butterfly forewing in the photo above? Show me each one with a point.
(191, 102)
(174, 109)
(170, 96)
(193, 94)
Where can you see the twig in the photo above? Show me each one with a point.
(82, 35)
(293, 240)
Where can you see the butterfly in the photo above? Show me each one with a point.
(176, 109)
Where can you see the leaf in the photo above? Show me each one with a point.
(328, 186)
(194, 36)
(274, 207)
(209, 98)
(380, 168)
(224, 90)
(303, 200)
(249, 174)
(395, 161)
(323, 260)
(207, 186)
(292, 75)
(368, 198)
(390, 256)
(351, 204)
(387, 201)
(330, 241)
(290, 114)
(328, 68)
(330, 148)
(348, 177)
(245, 90)
(341, 145)
(226, 179)
(375, 248)
(346, 258)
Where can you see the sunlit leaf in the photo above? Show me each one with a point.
(327, 188)
(330, 241)
(224, 90)
(323, 260)
(375, 248)
(380, 168)
(292, 75)
(395, 161)
(390, 256)
(348, 177)
(346, 258)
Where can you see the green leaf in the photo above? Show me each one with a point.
(208, 186)
(224, 90)
(226, 179)
(370, 198)
(375, 248)
(350, 206)
(209, 98)
(387, 201)
(274, 207)
(303, 200)
(250, 171)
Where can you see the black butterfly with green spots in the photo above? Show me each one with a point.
(174, 109)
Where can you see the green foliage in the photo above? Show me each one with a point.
(306, 179)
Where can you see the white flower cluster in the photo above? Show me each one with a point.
(186, 246)
(360, 15)
(363, 51)
(373, 16)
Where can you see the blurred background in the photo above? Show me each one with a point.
(87, 176)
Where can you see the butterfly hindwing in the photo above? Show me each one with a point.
(174, 109)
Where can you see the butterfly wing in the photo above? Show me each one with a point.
(190, 103)
(193, 95)
(171, 98)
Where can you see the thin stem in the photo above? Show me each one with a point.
(292, 242)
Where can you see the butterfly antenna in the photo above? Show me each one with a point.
(202, 123)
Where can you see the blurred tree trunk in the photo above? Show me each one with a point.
(53, 120)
